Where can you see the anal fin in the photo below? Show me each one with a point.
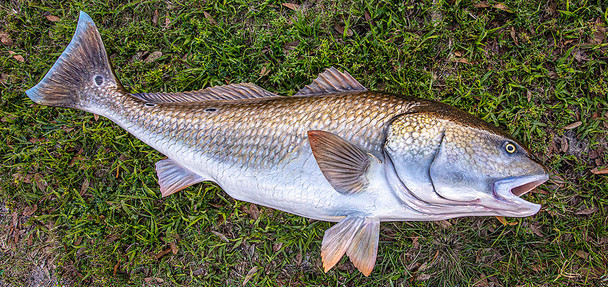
(355, 236)
(172, 177)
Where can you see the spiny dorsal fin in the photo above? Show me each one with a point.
(358, 237)
(172, 177)
(219, 93)
(332, 81)
(342, 163)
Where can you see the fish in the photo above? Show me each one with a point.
(335, 151)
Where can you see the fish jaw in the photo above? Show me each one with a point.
(510, 190)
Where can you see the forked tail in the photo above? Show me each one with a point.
(81, 73)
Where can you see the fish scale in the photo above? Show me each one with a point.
(334, 152)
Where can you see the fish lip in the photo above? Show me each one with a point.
(509, 190)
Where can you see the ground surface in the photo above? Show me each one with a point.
(79, 200)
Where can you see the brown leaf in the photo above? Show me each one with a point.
(504, 221)
(415, 243)
(36, 140)
(367, 16)
(573, 125)
(173, 248)
(444, 224)
(264, 71)
(116, 266)
(599, 35)
(564, 145)
(513, 36)
(582, 254)
(111, 238)
(482, 282)
(482, 4)
(528, 95)
(40, 182)
(16, 234)
(155, 17)
(209, 18)
(221, 236)
(253, 211)
(84, 186)
(153, 56)
(3, 79)
(536, 230)
(5, 38)
(291, 6)
(15, 219)
(502, 7)
(16, 56)
(340, 30)
(167, 20)
(423, 277)
(277, 246)
(597, 170)
(250, 275)
(299, 258)
(96, 117)
(53, 18)
(30, 239)
(159, 255)
(28, 211)
(461, 60)
(586, 211)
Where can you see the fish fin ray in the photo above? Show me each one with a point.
(337, 240)
(221, 93)
(172, 177)
(342, 163)
(331, 81)
(363, 248)
(82, 66)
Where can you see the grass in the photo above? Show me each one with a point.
(531, 67)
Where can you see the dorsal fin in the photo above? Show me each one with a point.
(219, 93)
(331, 81)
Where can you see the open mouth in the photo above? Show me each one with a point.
(527, 187)
(509, 191)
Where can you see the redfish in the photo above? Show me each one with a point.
(334, 151)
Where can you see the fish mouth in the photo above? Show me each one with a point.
(510, 190)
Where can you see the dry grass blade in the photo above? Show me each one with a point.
(209, 18)
(291, 6)
(573, 125)
(250, 275)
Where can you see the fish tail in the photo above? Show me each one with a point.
(81, 73)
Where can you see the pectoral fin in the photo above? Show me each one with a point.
(342, 163)
(172, 177)
(355, 236)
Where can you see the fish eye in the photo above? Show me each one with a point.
(510, 148)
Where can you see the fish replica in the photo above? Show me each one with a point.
(333, 152)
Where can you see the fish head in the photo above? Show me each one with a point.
(487, 169)
(458, 165)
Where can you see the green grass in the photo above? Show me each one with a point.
(533, 70)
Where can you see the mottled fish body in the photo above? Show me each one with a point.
(334, 152)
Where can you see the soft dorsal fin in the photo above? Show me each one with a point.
(331, 81)
(342, 163)
(172, 177)
(219, 93)
(358, 237)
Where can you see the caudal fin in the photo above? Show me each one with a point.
(81, 72)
